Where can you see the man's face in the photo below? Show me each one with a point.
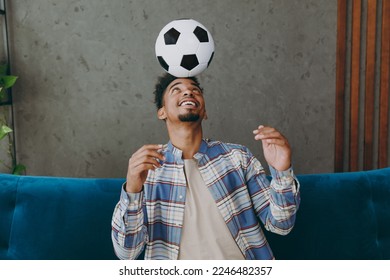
(183, 101)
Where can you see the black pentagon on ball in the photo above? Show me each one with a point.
(201, 34)
(163, 63)
(211, 58)
(171, 36)
(189, 62)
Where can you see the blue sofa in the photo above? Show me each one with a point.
(342, 216)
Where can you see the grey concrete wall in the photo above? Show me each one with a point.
(83, 102)
(5, 115)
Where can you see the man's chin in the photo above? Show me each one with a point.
(190, 117)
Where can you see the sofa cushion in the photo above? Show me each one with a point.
(59, 218)
(7, 207)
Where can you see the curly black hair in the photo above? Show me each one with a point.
(161, 85)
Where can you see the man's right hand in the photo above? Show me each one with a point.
(145, 159)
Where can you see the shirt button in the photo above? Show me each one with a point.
(180, 196)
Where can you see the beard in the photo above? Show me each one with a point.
(189, 117)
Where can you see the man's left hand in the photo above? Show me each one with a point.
(277, 151)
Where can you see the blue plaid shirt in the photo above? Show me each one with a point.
(152, 220)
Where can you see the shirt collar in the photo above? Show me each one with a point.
(178, 154)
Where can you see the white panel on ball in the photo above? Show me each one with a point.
(184, 48)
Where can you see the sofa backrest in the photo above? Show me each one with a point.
(56, 218)
(342, 216)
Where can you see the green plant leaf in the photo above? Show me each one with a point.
(7, 81)
(2, 93)
(19, 169)
(4, 130)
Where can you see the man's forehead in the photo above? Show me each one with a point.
(180, 81)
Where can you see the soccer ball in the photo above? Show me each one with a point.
(184, 48)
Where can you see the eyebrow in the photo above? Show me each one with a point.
(178, 83)
(175, 84)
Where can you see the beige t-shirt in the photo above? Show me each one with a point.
(205, 235)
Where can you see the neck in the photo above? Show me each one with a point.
(187, 137)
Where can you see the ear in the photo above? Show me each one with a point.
(205, 117)
(161, 114)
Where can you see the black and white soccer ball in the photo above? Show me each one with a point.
(184, 48)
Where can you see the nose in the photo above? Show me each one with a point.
(188, 92)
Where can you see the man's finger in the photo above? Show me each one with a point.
(146, 160)
(276, 141)
(144, 167)
(263, 129)
(148, 150)
(268, 135)
(147, 154)
(155, 147)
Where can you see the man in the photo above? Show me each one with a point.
(200, 199)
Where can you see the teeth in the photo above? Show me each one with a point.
(188, 103)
